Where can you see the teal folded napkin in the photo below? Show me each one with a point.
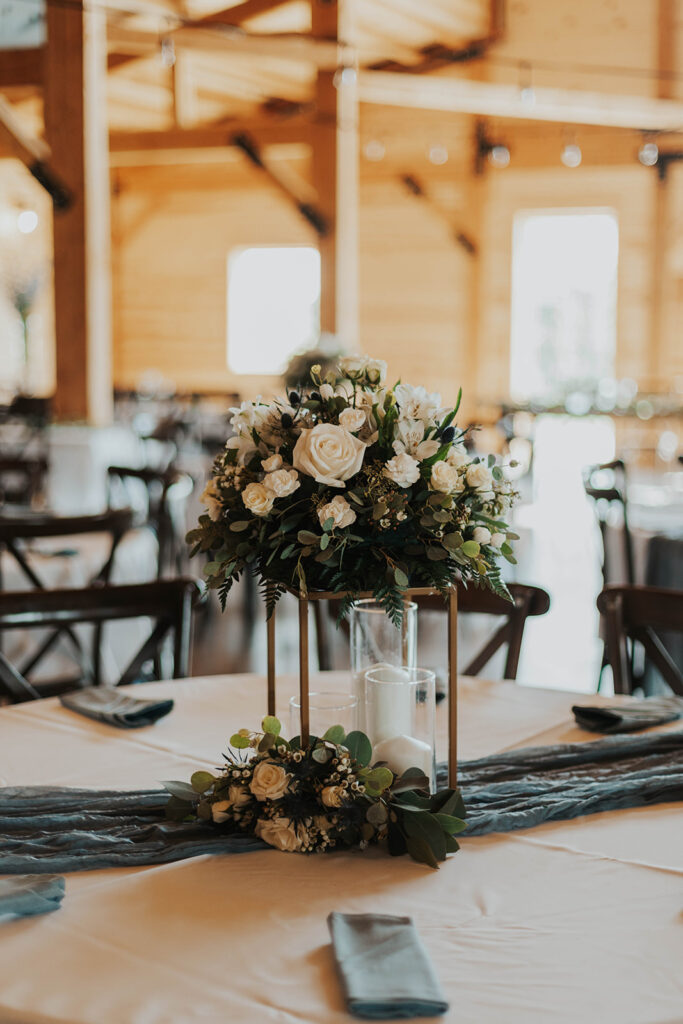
(637, 714)
(28, 895)
(385, 970)
(107, 704)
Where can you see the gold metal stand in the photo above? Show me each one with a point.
(303, 664)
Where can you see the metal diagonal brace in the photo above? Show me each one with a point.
(35, 154)
(417, 189)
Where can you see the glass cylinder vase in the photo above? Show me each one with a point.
(376, 641)
(401, 718)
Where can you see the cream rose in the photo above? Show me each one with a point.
(457, 456)
(258, 499)
(269, 781)
(282, 482)
(482, 535)
(479, 476)
(238, 797)
(279, 833)
(353, 365)
(445, 478)
(210, 499)
(332, 796)
(352, 419)
(497, 540)
(376, 370)
(328, 453)
(339, 510)
(219, 811)
(271, 464)
(403, 469)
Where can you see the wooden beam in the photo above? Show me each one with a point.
(565, 106)
(21, 67)
(75, 81)
(666, 48)
(336, 178)
(242, 12)
(268, 133)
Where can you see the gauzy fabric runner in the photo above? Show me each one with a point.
(59, 830)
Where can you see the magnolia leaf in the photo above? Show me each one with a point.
(450, 824)
(452, 802)
(421, 851)
(470, 548)
(422, 825)
(177, 809)
(335, 734)
(240, 526)
(436, 554)
(270, 724)
(239, 742)
(396, 842)
(201, 781)
(452, 844)
(306, 537)
(182, 790)
(359, 747)
(367, 831)
(442, 516)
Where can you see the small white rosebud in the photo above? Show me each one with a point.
(497, 540)
(481, 535)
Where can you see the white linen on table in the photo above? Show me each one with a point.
(573, 921)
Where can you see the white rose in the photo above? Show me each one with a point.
(269, 781)
(282, 482)
(497, 540)
(479, 476)
(339, 510)
(258, 499)
(482, 535)
(457, 456)
(272, 463)
(444, 478)
(332, 796)
(238, 797)
(210, 499)
(219, 811)
(376, 370)
(326, 392)
(352, 419)
(279, 833)
(403, 469)
(328, 453)
(353, 366)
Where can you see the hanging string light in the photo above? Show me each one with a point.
(571, 155)
(438, 155)
(374, 150)
(499, 156)
(648, 154)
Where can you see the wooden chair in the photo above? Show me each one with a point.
(526, 601)
(163, 489)
(22, 479)
(638, 614)
(607, 497)
(168, 603)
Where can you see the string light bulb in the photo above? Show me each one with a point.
(648, 154)
(571, 155)
(438, 155)
(499, 156)
(27, 221)
(374, 150)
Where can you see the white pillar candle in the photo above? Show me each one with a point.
(390, 697)
(402, 752)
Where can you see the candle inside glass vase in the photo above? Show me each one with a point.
(401, 718)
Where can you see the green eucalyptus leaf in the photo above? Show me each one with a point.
(402, 580)
(324, 541)
(306, 537)
(239, 742)
(201, 781)
(377, 814)
(470, 548)
(335, 734)
(270, 724)
(328, 525)
(359, 747)
(181, 790)
(240, 526)
(321, 754)
(378, 778)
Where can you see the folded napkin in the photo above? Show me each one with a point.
(27, 895)
(107, 704)
(637, 714)
(385, 970)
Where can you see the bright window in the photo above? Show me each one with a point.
(564, 288)
(273, 306)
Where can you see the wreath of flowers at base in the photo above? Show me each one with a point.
(321, 797)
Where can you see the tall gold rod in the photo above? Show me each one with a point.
(270, 627)
(303, 669)
(453, 688)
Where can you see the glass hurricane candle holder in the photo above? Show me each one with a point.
(401, 718)
(325, 709)
(376, 641)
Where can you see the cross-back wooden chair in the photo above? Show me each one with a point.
(22, 536)
(162, 488)
(606, 485)
(168, 603)
(640, 614)
(22, 479)
(526, 601)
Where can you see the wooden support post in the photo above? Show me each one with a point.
(335, 176)
(303, 671)
(76, 131)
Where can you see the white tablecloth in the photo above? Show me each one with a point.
(571, 922)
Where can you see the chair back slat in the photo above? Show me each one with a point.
(637, 613)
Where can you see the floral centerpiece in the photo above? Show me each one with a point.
(348, 485)
(323, 797)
